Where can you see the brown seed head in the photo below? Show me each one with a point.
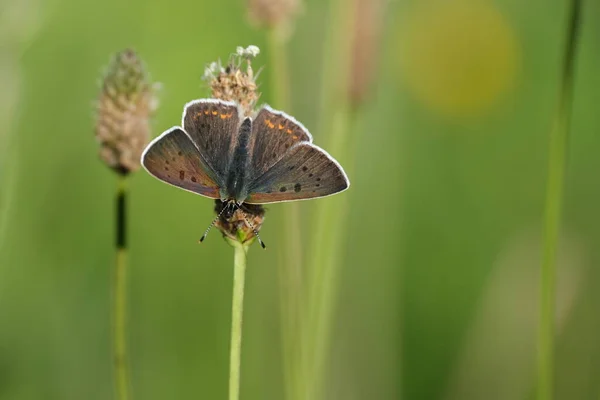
(273, 13)
(236, 226)
(366, 45)
(232, 82)
(126, 102)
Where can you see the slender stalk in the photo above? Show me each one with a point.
(120, 296)
(290, 271)
(324, 280)
(237, 311)
(328, 230)
(557, 158)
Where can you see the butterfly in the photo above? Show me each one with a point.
(221, 154)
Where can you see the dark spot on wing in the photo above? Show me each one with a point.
(167, 162)
(297, 187)
(166, 168)
(287, 146)
(318, 184)
(282, 189)
(318, 179)
(274, 155)
(268, 192)
(310, 175)
(173, 158)
(292, 167)
(179, 153)
(305, 168)
(181, 175)
(193, 178)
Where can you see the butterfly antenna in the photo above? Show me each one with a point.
(211, 225)
(253, 229)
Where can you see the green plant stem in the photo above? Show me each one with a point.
(120, 296)
(237, 311)
(557, 160)
(329, 227)
(289, 271)
(328, 237)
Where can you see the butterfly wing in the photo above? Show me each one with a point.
(213, 126)
(306, 171)
(273, 134)
(173, 158)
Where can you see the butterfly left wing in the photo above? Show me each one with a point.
(173, 158)
(213, 127)
(306, 171)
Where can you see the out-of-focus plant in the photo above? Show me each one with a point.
(126, 102)
(278, 17)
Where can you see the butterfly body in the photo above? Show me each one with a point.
(221, 154)
(236, 187)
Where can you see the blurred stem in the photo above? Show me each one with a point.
(325, 273)
(290, 271)
(557, 157)
(279, 72)
(237, 311)
(329, 224)
(120, 295)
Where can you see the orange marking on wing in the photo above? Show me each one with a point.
(280, 126)
(289, 131)
(224, 116)
(214, 113)
(294, 137)
(205, 112)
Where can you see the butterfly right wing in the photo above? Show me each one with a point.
(273, 134)
(174, 158)
(213, 126)
(305, 172)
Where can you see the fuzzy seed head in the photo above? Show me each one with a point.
(232, 82)
(125, 104)
(366, 47)
(273, 13)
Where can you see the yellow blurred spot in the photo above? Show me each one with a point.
(289, 131)
(458, 57)
(280, 127)
(295, 137)
(214, 113)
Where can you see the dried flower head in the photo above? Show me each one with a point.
(124, 107)
(273, 13)
(240, 225)
(366, 46)
(233, 83)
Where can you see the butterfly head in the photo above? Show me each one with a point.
(237, 221)
(228, 208)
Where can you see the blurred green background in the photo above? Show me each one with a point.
(438, 287)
